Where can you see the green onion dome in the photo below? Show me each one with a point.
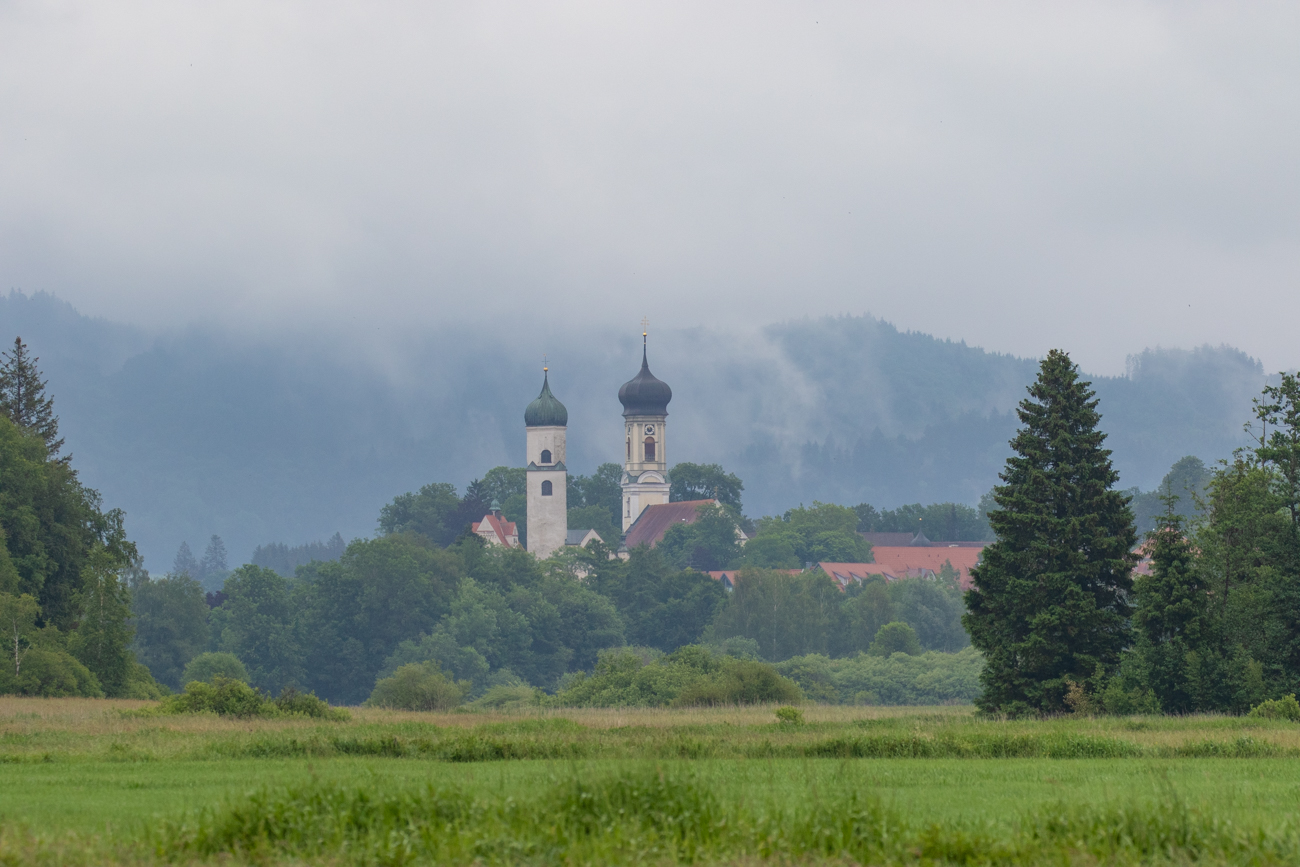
(546, 411)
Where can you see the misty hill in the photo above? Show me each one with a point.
(293, 438)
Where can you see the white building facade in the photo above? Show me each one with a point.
(547, 484)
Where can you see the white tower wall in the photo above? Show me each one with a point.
(644, 477)
(548, 514)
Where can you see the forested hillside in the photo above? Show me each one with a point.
(289, 439)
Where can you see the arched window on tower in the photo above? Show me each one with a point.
(629, 448)
(649, 448)
(546, 456)
(546, 489)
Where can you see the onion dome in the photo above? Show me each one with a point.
(643, 394)
(546, 411)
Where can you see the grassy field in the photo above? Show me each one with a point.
(92, 781)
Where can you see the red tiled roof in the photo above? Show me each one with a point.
(909, 562)
(503, 530)
(654, 521)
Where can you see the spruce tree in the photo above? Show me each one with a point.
(23, 398)
(1171, 617)
(1050, 602)
(214, 558)
(185, 564)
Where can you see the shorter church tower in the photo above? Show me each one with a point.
(548, 482)
(645, 468)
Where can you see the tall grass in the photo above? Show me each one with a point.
(665, 815)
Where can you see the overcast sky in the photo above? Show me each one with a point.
(1100, 177)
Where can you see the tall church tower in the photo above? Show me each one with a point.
(547, 482)
(645, 468)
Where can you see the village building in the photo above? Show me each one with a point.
(496, 530)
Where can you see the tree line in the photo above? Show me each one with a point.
(64, 603)
(1064, 622)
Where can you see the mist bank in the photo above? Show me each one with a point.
(292, 439)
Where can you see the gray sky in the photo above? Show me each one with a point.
(1100, 176)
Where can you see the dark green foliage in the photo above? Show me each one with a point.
(512, 618)
(602, 489)
(686, 677)
(206, 667)
(932, 607)
(661, 606)
(23, 400)
(895, 638)
(170, 617)
(1050, 602)
(102, 639)
(705, 482)
(824, 532)
(63, 561)
(708, 544)
(1277, 708)
(788, 615)
(1187, 482)
(34, 661)
(353, 613)
(418, 686)
(773, 550)
(256, 624)
(432, 512)
(226, 696)
(51, 526)
(223, 696)
(1171, 617)
(742, 681)
(941, 522)
(930, 678)
(283, 559)
(595, 518)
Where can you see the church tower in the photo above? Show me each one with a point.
(645, 468)
(548, 483)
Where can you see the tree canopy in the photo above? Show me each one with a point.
(1050, 604)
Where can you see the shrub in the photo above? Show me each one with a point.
(896, 637)
(224, 696)
(742, 681)
(418, 686)
(789, 715)
(207, 666)
(931, 678)
(1277, 708)
(51, 673)
(506, 697)
(291, 702)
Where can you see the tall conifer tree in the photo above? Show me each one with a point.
(23, 398)
(1050, 602)
(1171, 619)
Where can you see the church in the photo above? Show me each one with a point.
(645, 467)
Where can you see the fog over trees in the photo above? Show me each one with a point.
(288, 440)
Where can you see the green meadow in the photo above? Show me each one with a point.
(96, 781)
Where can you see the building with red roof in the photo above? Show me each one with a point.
(496, 530)
(654, 521)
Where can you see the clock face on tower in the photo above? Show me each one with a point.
(649, 429)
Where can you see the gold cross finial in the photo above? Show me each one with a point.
(645, 325)
(545, 367)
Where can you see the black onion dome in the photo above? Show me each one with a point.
(546, 411)
(643, 394)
